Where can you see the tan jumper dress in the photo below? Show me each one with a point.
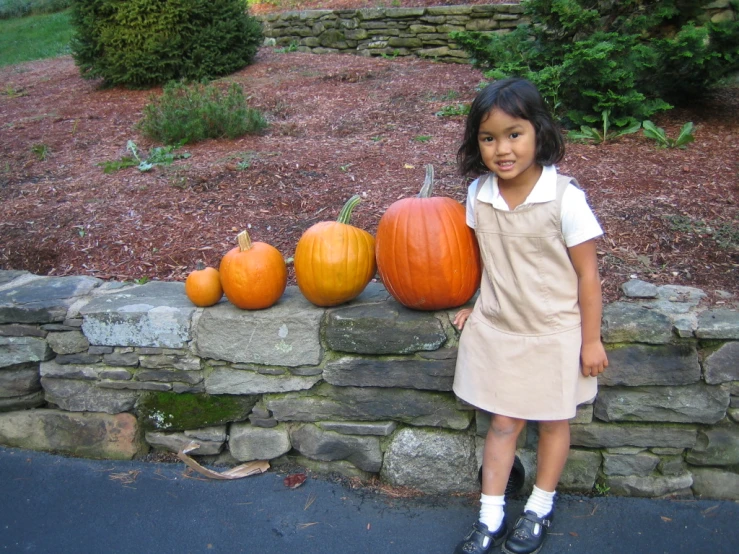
(519, 352)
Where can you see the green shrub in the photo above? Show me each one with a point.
(143, 43)
(20, 8)
(630, 58)
(191, 113)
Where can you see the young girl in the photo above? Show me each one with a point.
(531, 347)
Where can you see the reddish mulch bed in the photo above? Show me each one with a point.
(339, 125)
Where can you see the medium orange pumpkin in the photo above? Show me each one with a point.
(203, 286)
(334, 261)
(427, 256)
(253, 274)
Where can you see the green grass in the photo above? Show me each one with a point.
(34, 37)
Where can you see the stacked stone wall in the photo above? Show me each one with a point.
(113, 370)
(421, 32)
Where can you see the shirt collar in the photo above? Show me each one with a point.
(545, 190)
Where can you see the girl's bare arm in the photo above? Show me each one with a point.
(585, 261)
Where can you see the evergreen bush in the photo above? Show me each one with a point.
(185, 114)
(143, 43)
(628, 58)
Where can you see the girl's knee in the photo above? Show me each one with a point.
(505, 426)
(554, 427)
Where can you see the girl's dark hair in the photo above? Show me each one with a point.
(518, 98)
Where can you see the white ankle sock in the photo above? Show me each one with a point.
(491, 512)
(540, 502)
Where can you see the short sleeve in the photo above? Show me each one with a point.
(579, 223)
(471, 196)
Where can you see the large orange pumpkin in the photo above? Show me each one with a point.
(253, 274)
(427, 256)
(203, 286)
(334, 261)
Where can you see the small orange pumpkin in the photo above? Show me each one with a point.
(427, 256)
(334, 261)
(253, 274)
(203, 286)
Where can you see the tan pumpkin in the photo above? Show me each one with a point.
(253, 274)
(203, 286)
(334, 261)
(427, 256)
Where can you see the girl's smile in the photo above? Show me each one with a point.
(508, 149)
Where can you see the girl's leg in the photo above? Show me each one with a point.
(530, 529)
(554, 447)
(499, 453)
(497, 461)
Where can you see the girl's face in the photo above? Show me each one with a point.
(508, 148)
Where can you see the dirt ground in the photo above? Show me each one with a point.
(338, 125)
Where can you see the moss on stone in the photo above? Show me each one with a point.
(178, 412)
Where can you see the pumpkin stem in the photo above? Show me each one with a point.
(200, 266)
(346, 211)
(428, 184)
(244, 241)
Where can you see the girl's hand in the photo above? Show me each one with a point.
(461, 317)
(593, 358)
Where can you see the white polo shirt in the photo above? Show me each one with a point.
(578, 220)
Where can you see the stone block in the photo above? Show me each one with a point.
(174, 442)
(611, 435)
(23, 402)
(382, 328)
(641, 464)
(155, 314)
(626, 322)
(70, 342)
(403, 373)
(169, 411)
(717, 484)
(241, 381)
(650, 487)
(640, 364)
(285, 335)
(431, 460)
(716, 446)
(19, 381)
(377, 428)
(326, 402)
(718, 324)
(43, 299)
(248, 443)
(88, 435)
(580, 471)
(320, 444)
(22, 350)
(722, 365)
(698, 403)
(84, 396)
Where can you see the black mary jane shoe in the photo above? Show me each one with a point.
(474, 542)
(528, 534)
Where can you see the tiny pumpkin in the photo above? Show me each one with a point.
(334, 261)
(203, 286)
(427, 256)
(253, 274)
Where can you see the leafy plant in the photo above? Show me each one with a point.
(41, 151)
(422, 138)
(606, 133)
(601, 489)
(160, 155)
(633, 58)
(190, 113)
(453, 110)
(658, 133)
(143, 43)
(292, 47)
